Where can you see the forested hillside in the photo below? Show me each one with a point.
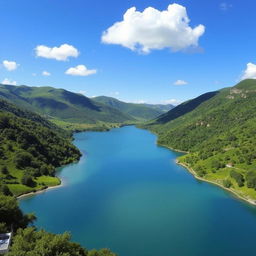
(62, 105)
(30, 150)
(220, 136)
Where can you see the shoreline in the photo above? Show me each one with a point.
(190, 170)
(40, 191)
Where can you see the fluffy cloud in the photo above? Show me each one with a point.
(9, 82)
(174, 102)
(61, 53)
(10, 65)
(180, 82)
(46, 73)
(154, 29)
(80, 70)
(250, 71)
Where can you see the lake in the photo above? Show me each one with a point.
(128, 194)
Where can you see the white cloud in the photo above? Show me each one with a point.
(174, 102)
(250, 71)
(9, 82)
(82, 92)
(225, 6)
(62, 53)
(180, 82)
(46, 73)
(10, 65)
(80, 70)
(154, 29)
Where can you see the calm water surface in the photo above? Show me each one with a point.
(127, 194)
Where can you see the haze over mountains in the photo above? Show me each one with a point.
(139, 111)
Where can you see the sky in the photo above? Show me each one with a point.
(134, 50)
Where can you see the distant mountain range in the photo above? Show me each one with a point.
(138, 111)
(218, 129)
(72, 107)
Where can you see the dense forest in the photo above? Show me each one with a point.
(219, 132)
(30, 150)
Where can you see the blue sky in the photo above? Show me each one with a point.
(225, 48)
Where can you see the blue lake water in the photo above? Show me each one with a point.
(128, 194)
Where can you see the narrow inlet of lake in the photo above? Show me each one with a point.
(128, 194)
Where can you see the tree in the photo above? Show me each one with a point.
(11, 215)
(4, 170)
(27, 180)
(251, 179)
(23, 159)
(238, 177)
(5, 190)
(37, 243)
(227, 183)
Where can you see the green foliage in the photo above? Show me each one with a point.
(238, 177)
(227, 183)
(102, 252)
(30, 148)
(3, 228)
(4, 170)
(11, 215)
(37, 243)
(251, 179)
(27, 180)
(5, 190)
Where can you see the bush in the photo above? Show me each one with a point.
(4, 170)
(5, 190)
(238, 177)
(227, 183)
(23, 159)
(27, 180)
(251, 179)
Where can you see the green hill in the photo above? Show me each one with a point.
(62, 105)
(220, 135)
(138, 111)
(184, 108)
(30, 150)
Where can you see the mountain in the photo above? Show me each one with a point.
(30, 150)
(184, 108)
(219, 134)
(160, 107)
(62, 105)
(137, 111)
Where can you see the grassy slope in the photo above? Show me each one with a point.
(62, 105)
(220, 136)
(138, 111)
(31, 145)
